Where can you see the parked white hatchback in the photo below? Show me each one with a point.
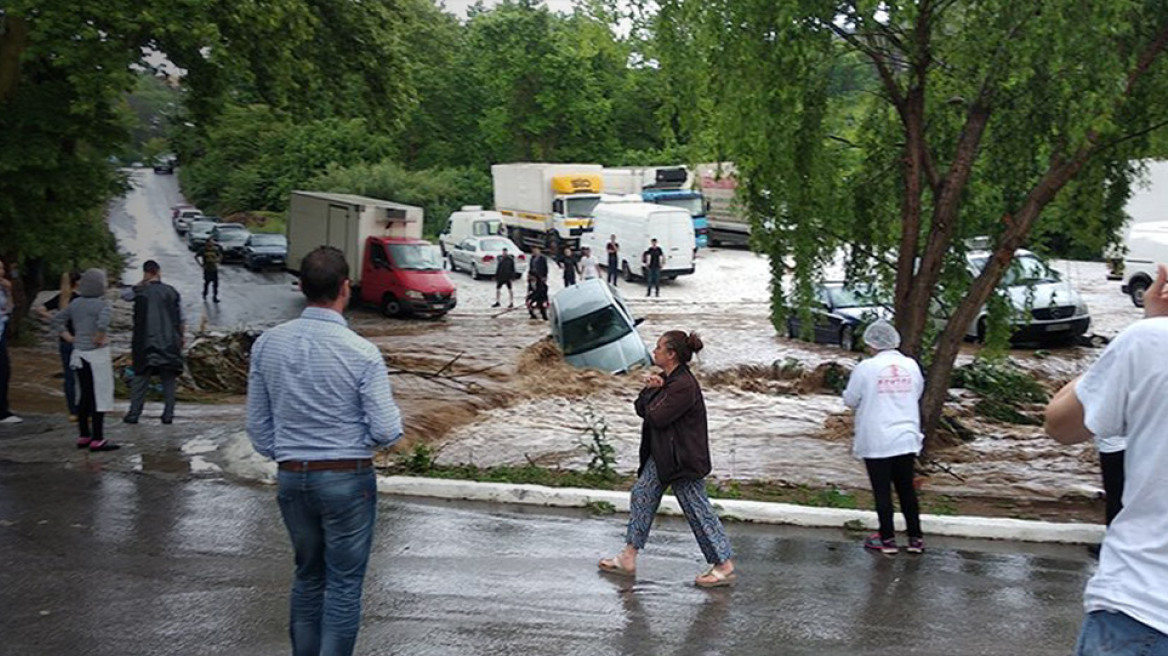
(479, 256)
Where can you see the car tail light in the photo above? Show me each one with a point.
(488, 258)
(522, 257)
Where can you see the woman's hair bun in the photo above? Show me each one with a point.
(694, 342)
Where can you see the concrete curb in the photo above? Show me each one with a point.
(750, 511)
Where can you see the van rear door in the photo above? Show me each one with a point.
(674, 232)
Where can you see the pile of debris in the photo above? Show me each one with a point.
(218, 362)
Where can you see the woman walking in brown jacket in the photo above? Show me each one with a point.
(675, 451)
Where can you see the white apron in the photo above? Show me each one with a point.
(101, 362)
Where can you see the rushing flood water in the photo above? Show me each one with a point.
(483, 386)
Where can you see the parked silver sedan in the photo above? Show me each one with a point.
(479, 256)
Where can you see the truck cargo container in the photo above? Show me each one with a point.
(662, 185)
(390, 265)
(546, 205)
(718, 182)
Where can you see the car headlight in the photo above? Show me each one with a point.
(1081, 309)
(412, 293)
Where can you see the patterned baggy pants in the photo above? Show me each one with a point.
(691, 496)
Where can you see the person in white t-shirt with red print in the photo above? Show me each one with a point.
(885, 390)
(1126, 393)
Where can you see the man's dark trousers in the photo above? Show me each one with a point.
(141, 383)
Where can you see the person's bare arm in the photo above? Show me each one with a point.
(1156, 297)
(1065, 421)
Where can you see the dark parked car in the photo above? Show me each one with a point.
(164, 165)
(231, 237)
(841, 313)
(263, 250)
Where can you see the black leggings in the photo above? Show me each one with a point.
(87, 409)
(1112, 466)
(884, 473)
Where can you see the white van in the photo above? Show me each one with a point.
(470, 221)
(1147, 246)
(634, 225)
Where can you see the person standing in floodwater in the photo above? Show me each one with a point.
(675, 452)
(567, 262)
(885, 390)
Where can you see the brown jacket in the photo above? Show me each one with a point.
(674, 432)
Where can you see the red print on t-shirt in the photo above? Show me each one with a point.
(894, 380)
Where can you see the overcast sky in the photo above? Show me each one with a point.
(459, 7)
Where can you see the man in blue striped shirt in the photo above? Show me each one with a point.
(319, 402)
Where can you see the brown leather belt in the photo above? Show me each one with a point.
(325, 465)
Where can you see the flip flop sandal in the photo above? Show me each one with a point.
(613, 566)
(720, 580)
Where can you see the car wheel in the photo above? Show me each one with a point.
(981, 330)
(390, 306)
(848, 338)
(474, 271)
(1136, 289)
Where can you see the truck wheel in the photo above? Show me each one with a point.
(1136, 288)
(390, 306)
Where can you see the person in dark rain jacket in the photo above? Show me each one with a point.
(675, 452)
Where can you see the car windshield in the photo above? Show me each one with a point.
(268, 240)
(691, 205)
(853, 296)
(496, 245)
(416, 257)
(198, 227)
(594, 330)
(581, 206)
(1024, 270)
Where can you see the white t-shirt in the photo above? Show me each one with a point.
(589, 268)
(885, 390)
(1126, 393)
(1111, 443)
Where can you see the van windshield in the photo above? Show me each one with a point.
(485, 228)
(415, 257)
(594, 330)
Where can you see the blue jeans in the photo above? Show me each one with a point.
(65, 350)
(653, 278)
(330, 517)
(1107, 633)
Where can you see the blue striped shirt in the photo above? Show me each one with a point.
(318, 391)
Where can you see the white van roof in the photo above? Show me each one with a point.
(638, 209)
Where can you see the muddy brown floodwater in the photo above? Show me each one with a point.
(483, 386)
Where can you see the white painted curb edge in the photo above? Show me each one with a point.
(750, 511)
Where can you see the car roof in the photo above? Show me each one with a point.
(583, 298)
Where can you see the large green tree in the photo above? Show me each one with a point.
(980, 114)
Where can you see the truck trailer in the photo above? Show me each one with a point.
(546, 205)
(662, 185)
(726, 217)
(390, 265)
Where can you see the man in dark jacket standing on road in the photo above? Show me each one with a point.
(209, 259)
(504, 275)
(158, 341)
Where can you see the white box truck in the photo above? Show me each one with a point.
(390, 265)
(546, 205)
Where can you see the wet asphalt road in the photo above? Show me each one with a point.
(94, 560)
